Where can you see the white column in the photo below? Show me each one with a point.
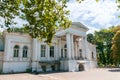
(34, 50)
(59, 42)
(72, 46)
(48, 52)
(86, 46)
(35, 55)
(75, 49)
(20, 52)
(83, 47)
(68, 45)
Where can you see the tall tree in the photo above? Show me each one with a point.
(44, 17)
(91, 38)
(116, 48)
(103, 40)
(8, 11)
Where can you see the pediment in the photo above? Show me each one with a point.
(79, 25)
(76, 28)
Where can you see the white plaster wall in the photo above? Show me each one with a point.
(64, 66)
(12, 40)
(10, 67)
(91, 48)
(87, 65)
(18, 64)
(72, 65)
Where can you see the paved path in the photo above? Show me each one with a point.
(95, 74)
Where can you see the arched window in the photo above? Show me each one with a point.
(16, 51)
(25, 51)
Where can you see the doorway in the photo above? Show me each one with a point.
(43, 68)
(53, 67)
(81, 67)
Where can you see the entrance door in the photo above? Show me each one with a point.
(81, 67)
(53, 67)
(43, 68)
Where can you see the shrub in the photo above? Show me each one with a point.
(29, 70)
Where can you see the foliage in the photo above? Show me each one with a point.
(103, 40)
(29, 70)
(8, 11)
(115, 29)
(21, 30)
(90, 38)
(44, 17)
(116, 48)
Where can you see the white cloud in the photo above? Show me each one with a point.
(92, 29)
(103, 13)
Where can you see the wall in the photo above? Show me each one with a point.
(1, 60)
(16, 64)
(11, 67)
(1, 44)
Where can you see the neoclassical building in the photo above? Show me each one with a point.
(69, 51)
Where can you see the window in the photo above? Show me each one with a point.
(16, 51)
(43, 50)
(52, 51)
(92, 55)
(65, 50)
(62, 53)
(80, 53)
(25, 51)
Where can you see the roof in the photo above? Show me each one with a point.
(78, 24)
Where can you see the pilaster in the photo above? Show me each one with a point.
(72, 46)
(68, 45)
(60, 48)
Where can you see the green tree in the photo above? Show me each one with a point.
(103, 40)
(21, 30)
(91, 38)
(44, 17)
(8, 11)
(116, 48)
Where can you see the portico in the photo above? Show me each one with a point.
(72, 45)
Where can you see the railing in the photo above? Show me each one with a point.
(75, 58)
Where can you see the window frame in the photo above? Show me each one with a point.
(16, 51)
(43, 51)
(93, 55)
(52, 51)
(25, 52)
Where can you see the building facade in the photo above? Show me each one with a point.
(69, 51)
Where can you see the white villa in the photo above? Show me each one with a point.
(70, 51)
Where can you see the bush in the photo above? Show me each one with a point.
(101, 65)
(29, 70)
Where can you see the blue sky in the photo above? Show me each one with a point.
(95, 15)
